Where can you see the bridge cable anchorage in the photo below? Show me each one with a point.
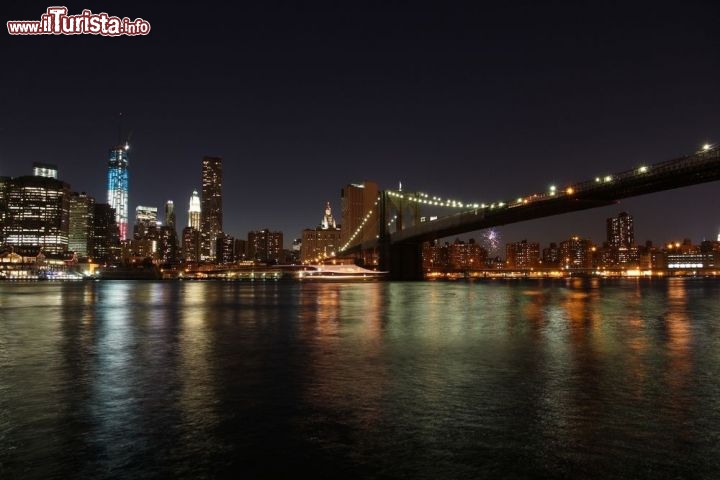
(360, 227)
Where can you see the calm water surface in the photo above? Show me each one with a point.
(555, 379)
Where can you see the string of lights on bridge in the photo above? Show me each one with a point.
(553, 191)
(426, 199)
(360, 227)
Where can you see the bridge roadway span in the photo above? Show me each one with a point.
(401, 251)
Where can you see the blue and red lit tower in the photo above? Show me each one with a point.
(118, 186)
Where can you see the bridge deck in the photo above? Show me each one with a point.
(694, 169)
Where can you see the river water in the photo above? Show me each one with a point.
(577, 378)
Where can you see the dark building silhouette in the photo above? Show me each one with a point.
(265, 246)
(80, 228)
(167, 248)
(225, 249)
(551, 255)
(170, 219)
(190, 245)
(105, 242)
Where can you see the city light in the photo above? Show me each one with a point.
(119, 162)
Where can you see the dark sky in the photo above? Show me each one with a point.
(475, 101)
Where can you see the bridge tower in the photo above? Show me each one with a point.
(403, 260)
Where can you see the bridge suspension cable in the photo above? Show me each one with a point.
(360, 227)
(425, 198)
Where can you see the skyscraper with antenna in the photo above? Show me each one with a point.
(118, 182)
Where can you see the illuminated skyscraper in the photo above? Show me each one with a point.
(194, 211)
(37, 214)
(620, 231)
(118, 186)
(211, 222)
(328, 221)
(621, 239)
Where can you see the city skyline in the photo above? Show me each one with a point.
(470, 102)
(213, 175)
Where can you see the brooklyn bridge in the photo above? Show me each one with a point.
(391, 226)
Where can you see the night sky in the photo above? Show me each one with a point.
(465, 100)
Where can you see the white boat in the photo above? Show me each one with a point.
(344, 273)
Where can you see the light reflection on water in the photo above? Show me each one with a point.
(575, 378)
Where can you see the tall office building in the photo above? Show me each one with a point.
(240, 249)
(118, 186)
(621, 241)
(4, 185)
(37, 214)
(170, 214)
(167, 245)
(225, 249)
(194, 211)
(211, 216)
(190, 244)
(357, 200)
(105, 236)
(82, 210)
(620, 231)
